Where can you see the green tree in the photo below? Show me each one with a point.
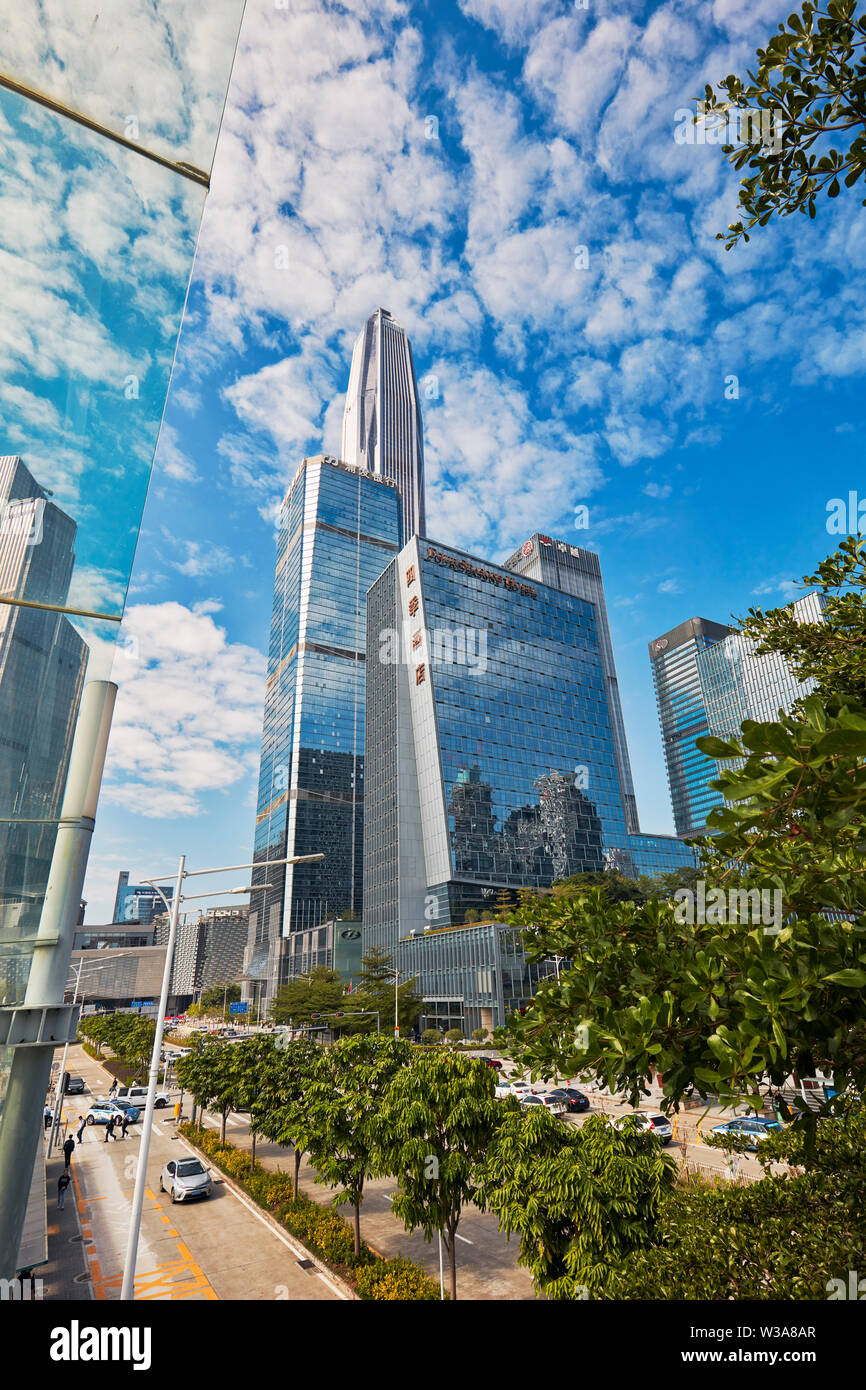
(479, 1034)
(320, 992)
(283, 1112)
(252, 1062)
(434, 1127)
(212, 1000)
(810, 82)
(718, 1005)
(454, 1035)
(581, 1199)
(210, 1073)
(344, 1097)
(375, 992)
(431, 1035)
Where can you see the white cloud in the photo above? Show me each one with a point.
(189, 710)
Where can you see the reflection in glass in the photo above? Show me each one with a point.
(153, 74)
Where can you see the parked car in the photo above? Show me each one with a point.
(139, 1095)
(755, 1129)
(573, 1100)
(75, 1085)
(528, 1100)
(660, 1125)
(185, 1179)
(492, 1062)
(504, 1089)
(101, 1112)
(551, 1102)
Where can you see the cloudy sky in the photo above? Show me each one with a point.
(503, 176)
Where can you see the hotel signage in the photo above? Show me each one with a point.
(490, 576)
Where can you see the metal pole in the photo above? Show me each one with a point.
(127, 1290)
(58, 1092)
(30, 1069)
(441, 1275)
(396, 1003)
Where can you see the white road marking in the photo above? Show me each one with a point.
(465, 1241)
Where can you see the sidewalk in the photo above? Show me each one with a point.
(66, 1276)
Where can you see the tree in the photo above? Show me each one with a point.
(375, 993)
(434, 1127)
(580, 1199)
(251, 1063)
(431, 1036)
(810, 85)
(220, 996)
(210, 1072)
(454, 1035)
(320, 992)
(344, 1097)
(479, 1034)
(716, 1005)
(283, 1113)
(617, 888)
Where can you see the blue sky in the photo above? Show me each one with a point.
(447, 161)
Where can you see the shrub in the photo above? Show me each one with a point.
(431, 1035)
(395, 1281)
(454, 1035)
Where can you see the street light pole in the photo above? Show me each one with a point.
(127, 1288)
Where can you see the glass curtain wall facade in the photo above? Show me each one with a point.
(681, 701)
(738, 684)
(382, 429)
(578, 571)
(490, 759)
(339, 528)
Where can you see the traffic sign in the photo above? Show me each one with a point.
(239, 1008)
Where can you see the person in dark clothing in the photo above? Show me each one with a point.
(124, 1126)
(784, 1113)
(109, 1129)
(62, 1183)
(113, 1089)
(68, 1148)
(47, 1117)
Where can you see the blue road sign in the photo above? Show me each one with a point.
(238, 1008)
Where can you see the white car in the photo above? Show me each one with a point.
(138, 1094)
(658, 1124)
(186, 1179)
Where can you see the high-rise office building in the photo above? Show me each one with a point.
(490, 758)
(683, 717)
(339, 528)
(382, 419)
(708, 679)
(42, 665)
(138, 902)
(578, 571)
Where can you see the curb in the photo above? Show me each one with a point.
(295, 1245)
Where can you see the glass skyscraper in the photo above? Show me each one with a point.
(682, 707)
(382, 429)
(578, 571)
(339, 528)
(708, 679)
(491, 762)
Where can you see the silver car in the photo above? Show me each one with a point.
(185, 1179)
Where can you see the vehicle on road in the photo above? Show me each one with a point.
(659, 1124)
(75, 1085)
(504, 1089)
(574, 1101)
(754, 1128)
(101, 1112)
(493, 1062)
(551, 1102)
(138, 1094)
(185, 1179)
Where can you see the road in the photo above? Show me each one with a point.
(219, 1248)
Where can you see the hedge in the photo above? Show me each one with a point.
(321, 1228)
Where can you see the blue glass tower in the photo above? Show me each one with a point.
(339, 528)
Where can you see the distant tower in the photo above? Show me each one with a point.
(382, 429)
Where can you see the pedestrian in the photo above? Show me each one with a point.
(79, 1133)
(68, 1148)
(109, 1129)
(124, 1124)
(62, 1183)
(47, 1114)
(113, 1089)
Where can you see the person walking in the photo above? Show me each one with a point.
(79, 1133)
(47, 1114)
(109, 1129)
(68, 1149)
(62, 1184)
(124, 1124)
(112, 1089)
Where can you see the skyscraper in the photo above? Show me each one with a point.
(382, 429)
(339, 528)
(490, 759)
(577, 571)
(708, 679)
(42, 665)
(681, 702)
